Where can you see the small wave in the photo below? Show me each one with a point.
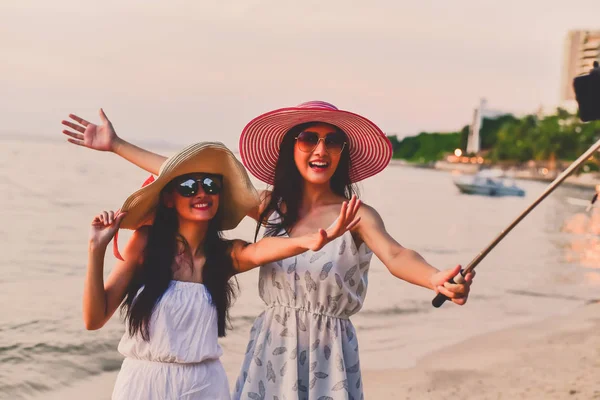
(396, 310)
(546, 295)
(42, 367)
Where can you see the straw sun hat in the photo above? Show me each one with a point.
(236, 199)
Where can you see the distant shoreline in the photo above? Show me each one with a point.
(585, 180)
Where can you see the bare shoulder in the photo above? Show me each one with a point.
(134, 250)
(368, 214)
(140, 236)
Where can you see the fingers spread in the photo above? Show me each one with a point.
(79, 119)
(74, 126)
(73, 134)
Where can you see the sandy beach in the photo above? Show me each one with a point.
(558, 358)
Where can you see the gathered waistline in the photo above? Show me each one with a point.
(306, 310)
(170, 363)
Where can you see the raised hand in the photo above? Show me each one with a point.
(345, 222)
(97, 137)
(104, 227)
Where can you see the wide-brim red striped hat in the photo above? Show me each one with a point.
(370, 149)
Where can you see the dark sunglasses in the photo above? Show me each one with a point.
(308, 141)
(189, 186)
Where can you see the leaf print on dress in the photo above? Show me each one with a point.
(350, 334)
(290, 291)
(298, 386)
(327, 352)
(349, 274)
(261, 287)
(258, 396)
(274, 279)
(283, 369)
(331, 299)
(340, 363)
(315, 345)
(292, 267)
(310, 283)
(261, 389)
(325, 270)
(282, 321)
(338, 280)
(258, 351)
(340, 385)
(287, 333)
(353, 369)
(342, 247)
(301, 324)
(258, 361)
(360, 288)
(270, 372)
(316, 256)
(302, 357)
(279, 350)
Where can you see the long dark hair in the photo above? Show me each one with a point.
(287, 188)
(156, 270)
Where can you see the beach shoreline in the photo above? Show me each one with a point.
(587, 180)
(556, 358)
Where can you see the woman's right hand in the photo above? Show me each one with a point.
(103, 137)
(104, 227)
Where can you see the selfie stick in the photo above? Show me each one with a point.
(460, 278)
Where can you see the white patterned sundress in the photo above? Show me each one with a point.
(303, 346)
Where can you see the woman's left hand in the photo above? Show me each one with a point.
(458, 293)
(346, 221)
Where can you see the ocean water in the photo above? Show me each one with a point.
(50, 191)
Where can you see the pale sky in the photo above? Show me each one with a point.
(191, 70)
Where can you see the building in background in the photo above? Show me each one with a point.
(582, 48)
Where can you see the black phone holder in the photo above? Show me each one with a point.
(587, 94)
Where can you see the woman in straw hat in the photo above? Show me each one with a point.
(173, 282)
(304, 345)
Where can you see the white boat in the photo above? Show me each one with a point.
(488, 183)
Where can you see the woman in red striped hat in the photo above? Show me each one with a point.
(304, 345)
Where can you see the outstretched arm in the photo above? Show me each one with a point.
(104, 138)
(101, 299)
(247, 256)
(407, 264)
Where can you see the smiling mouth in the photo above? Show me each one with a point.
(318, 164)
(205, 205)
